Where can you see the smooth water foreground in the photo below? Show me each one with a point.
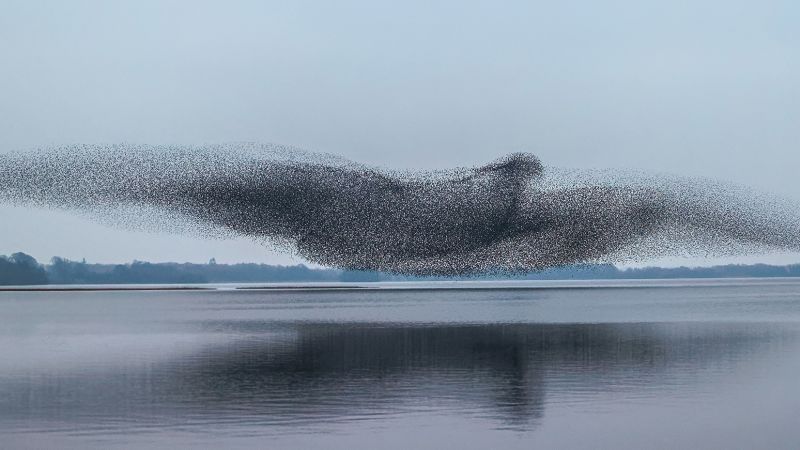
(706, 364)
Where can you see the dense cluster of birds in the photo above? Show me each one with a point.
(511, 215)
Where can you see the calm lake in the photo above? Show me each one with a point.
(617, 365)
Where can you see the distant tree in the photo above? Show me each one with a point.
(21, 269)
(64, 271)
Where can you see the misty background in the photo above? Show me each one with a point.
(698, 88)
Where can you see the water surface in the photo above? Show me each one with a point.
(678, 364)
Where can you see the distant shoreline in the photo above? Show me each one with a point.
(20, 272)
(456, 285)
(46, 288)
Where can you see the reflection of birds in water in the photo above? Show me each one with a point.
(500, 371)
(316, 373)
(510, 215)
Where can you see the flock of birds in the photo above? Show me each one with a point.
(511, 215)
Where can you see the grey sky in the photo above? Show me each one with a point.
(686, 87)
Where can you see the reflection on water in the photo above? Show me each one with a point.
(182, 370)
(501, 371)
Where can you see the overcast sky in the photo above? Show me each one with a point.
(686, 87)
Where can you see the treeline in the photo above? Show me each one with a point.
(22, 269)
(63, 271)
